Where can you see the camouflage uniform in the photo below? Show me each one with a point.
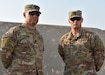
(22, 51)
(82, 54)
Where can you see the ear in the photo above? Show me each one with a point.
(69, 20)
(82, 20)
(24, 14)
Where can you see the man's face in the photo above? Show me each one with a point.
(31, 17)
(75, 22)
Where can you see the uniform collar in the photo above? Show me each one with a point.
(71, 36)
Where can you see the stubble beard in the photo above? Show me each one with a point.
(33, 23)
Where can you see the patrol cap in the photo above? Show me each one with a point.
(32, 7)
(76, 13)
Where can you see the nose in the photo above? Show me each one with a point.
(75, 21)
(35, 16)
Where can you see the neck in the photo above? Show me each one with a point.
(29, 25)
(75, 31)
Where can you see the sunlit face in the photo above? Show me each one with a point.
(31, 18)
(75, 22)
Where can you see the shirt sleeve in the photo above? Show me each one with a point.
(99, 53)
(39, 56)
(7, 45)
(61, 49)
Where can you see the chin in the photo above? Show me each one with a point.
(77, 27)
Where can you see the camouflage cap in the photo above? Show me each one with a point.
(76, 13)
(32, 7)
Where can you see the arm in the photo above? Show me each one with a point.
(7, 45)
(98, 53)
(60, 50)
(39, 56)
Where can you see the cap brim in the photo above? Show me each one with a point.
(75, 16)
(35, 11)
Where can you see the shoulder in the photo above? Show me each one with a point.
(15, 28)
(19, 28)
(92, 35)
(12, 31)
(9, 32)
(63, 38)
(89, 34)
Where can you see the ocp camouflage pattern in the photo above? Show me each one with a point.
(82, 54)
(22, 51)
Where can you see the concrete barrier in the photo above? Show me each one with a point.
(52, 63)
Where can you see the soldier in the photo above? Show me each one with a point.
(22, 46)
(82, 51)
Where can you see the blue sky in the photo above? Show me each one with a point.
(55, 12)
